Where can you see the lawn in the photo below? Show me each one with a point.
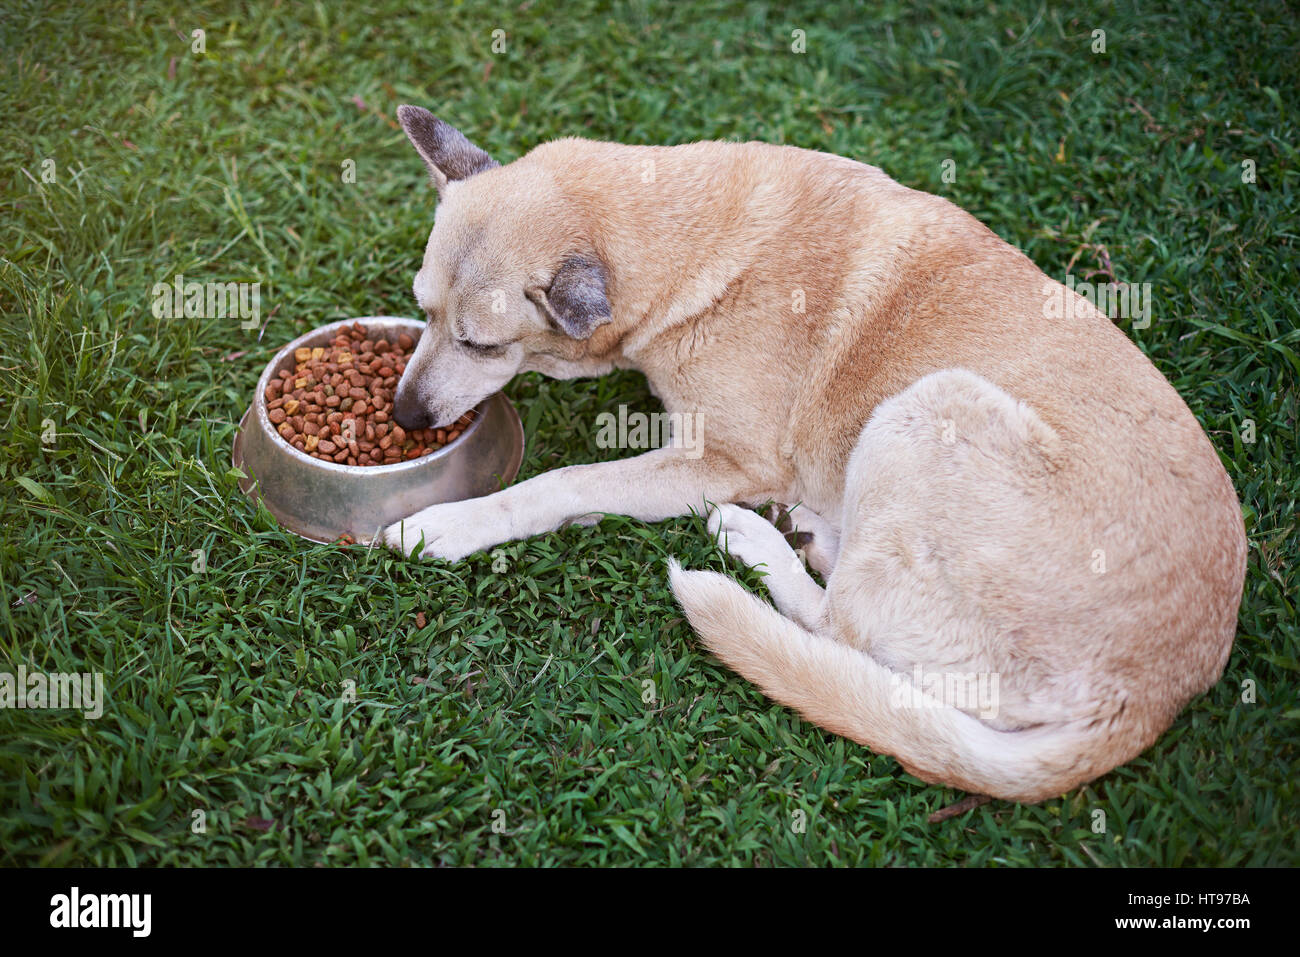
(271, 701)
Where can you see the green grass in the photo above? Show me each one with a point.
(523, 692)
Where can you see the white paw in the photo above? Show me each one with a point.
(452, 530)
(752, 539)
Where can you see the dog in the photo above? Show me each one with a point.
(999, 497)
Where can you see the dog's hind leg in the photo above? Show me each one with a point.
(824, 548)
(948, 527)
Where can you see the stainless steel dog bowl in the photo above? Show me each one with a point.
(322, 501)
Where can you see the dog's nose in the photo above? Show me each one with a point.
(409, 412)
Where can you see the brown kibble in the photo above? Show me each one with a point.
(336, 404)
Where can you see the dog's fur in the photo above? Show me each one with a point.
(991, 490)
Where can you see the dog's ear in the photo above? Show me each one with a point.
(444, 149)
(576, 300)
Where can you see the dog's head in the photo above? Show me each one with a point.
(511, 281)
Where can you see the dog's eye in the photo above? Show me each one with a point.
(480, 349)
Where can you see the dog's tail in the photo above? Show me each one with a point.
(845, 691)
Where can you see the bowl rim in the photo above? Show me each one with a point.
(264, 422)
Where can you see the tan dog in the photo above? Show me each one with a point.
(1033, 556)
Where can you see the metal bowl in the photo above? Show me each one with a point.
(322, 501)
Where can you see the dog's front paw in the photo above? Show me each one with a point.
(450, 531)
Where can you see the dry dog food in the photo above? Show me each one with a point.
(337, 403)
